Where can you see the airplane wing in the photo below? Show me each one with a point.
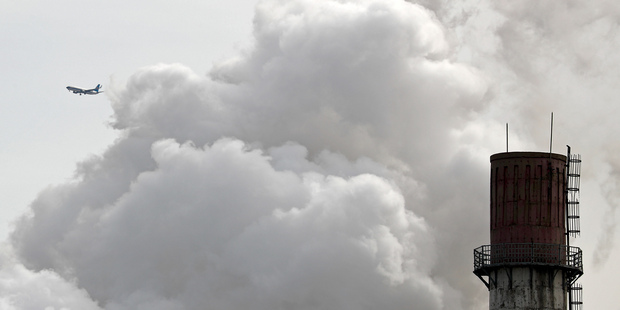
(75, 90)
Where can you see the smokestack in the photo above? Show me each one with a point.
(529, 264)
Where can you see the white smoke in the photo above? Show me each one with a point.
(269, 224)
(220, 226)
(25, 289)
(339, 162)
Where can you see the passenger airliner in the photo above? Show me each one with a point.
(92, 91)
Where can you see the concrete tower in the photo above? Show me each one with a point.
(529, 264)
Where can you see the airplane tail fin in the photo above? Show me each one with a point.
(98, 87)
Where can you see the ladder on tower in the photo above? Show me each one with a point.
(573, 229)
(576, 297)
(572, 198)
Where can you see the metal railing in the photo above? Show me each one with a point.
(528, 254)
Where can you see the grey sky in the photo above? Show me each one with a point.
(296, 154)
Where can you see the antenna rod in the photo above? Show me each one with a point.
(551, 139)
(506, 137)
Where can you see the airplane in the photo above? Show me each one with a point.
(92, 91)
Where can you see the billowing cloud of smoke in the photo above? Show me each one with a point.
(229, 227)
(175, 215)
(338, 163)
(25, 289)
